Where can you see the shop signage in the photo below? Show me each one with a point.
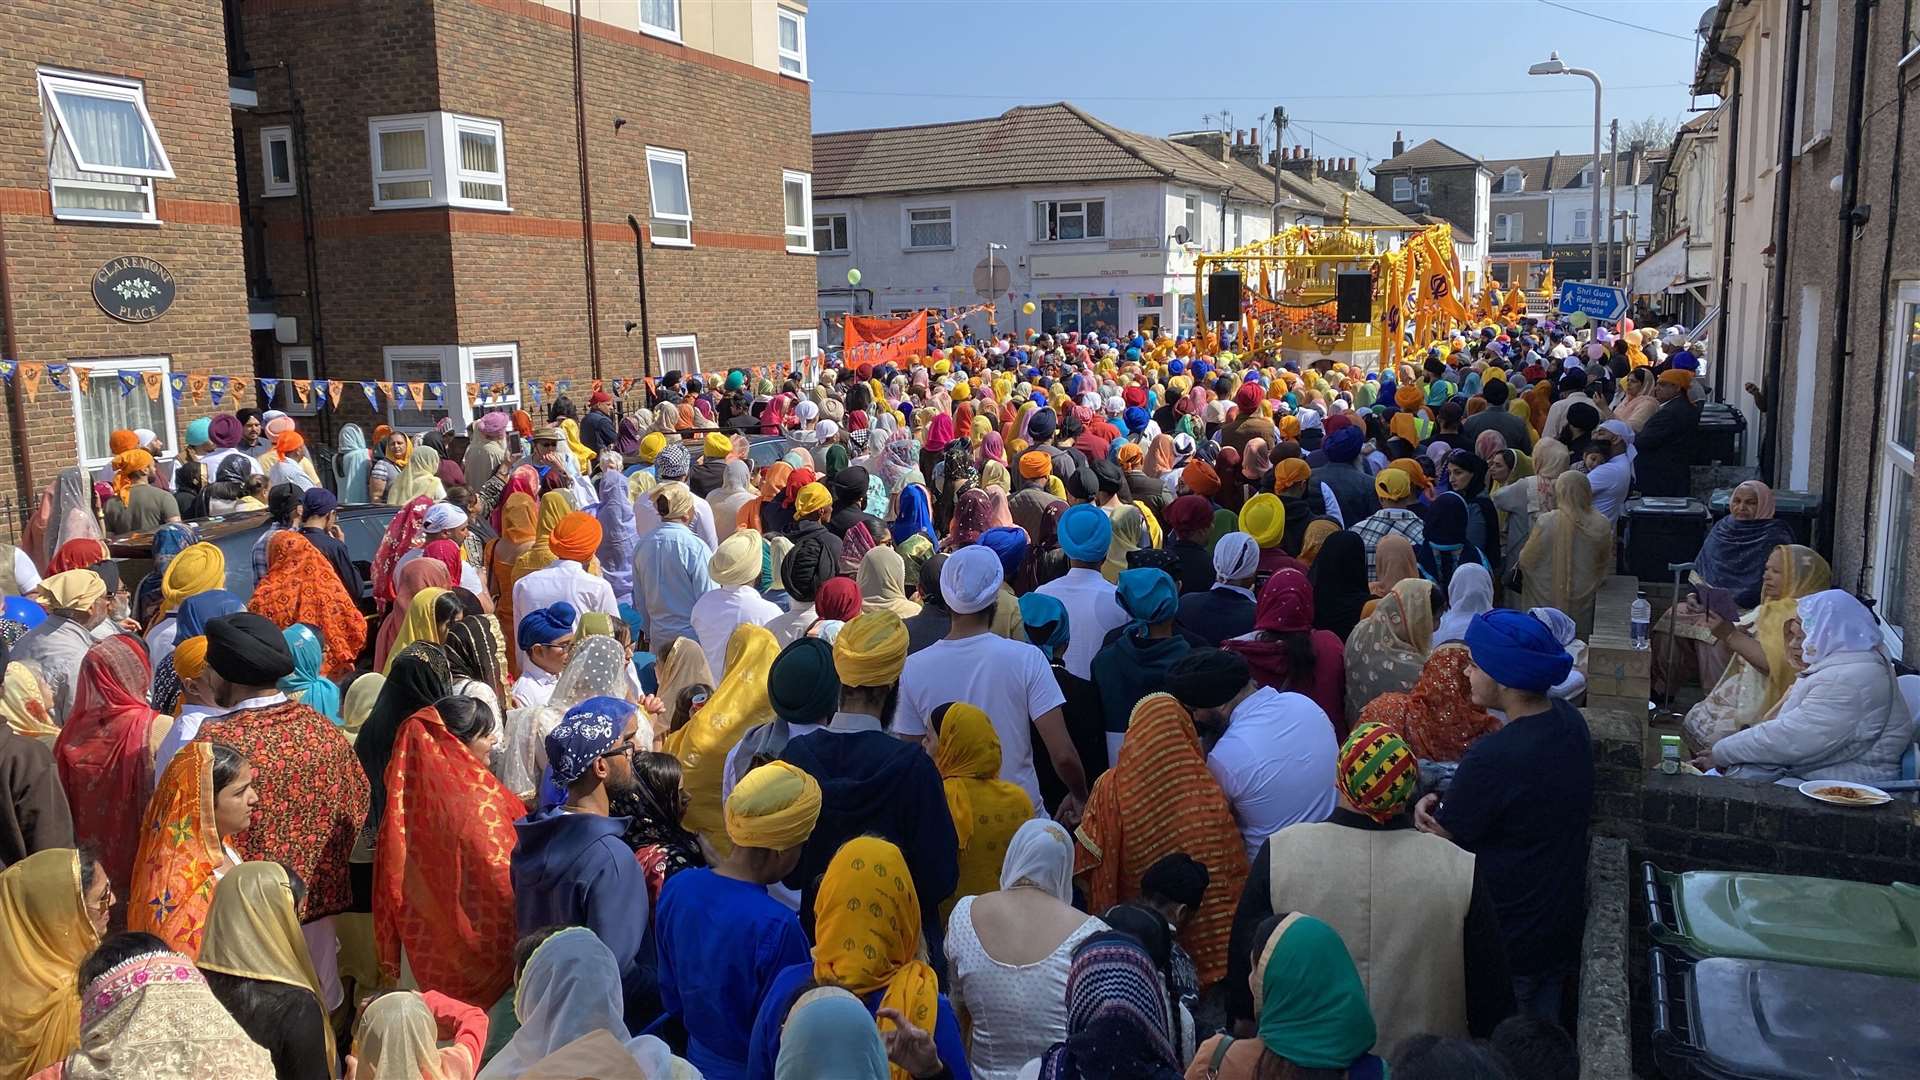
(134, 288)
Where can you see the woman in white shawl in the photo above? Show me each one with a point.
(570, 989)
(734, 492)
(1470, 593)
(1008, 953)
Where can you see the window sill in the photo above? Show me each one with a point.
(796, 77)
(663, 35)
(83, 218)
(1080, 240)
(911, 250)
(1819, 140)
(670, 241)
(278, 195)
(836, 252)
(791, 250)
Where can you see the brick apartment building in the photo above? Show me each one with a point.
(392, 190)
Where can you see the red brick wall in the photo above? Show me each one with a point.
(178, 49)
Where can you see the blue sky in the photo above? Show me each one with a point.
(1349, 72)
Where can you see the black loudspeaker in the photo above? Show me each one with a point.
(1223, 296)
(1353, 292)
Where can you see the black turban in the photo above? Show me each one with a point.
(1084, 484)
(1207, 678)
(802, 685)
(248, 650)
(1107, 475)
(1583, 416)
(1042, 425)
(849, 486)
(807, 567)
(1179, 877)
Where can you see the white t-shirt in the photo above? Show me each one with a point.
(1276, 764)
(1093, 609)
(1008, 680)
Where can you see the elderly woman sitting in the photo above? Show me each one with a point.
(1843, 718)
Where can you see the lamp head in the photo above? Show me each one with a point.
(1552, 65)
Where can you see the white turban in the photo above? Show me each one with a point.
(970, 581)
(1236, 556)
(442, 517)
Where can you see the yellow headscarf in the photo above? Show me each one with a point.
(398, 1037)
(967, 754)
(554, 505)
(738, 705)
(420, 477)
(1806, 573)
(24, 702)
(419, 624)
(44, 935)
(775, 806)
(867, 933)
(1317, 532)
(581, 454)
(252, 932)
(1129, 533)
(639, 484)
(197, 569)
(359, 700)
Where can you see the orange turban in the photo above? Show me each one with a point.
(121, 441)
(1414, 472)
(1036, 465)
(1409, 397)
(1200, 478)
(576, 537)
(190, 658)
(1289, 473)
(1289, 427)
(1130, 456)
(1677, 377)
(288, 442)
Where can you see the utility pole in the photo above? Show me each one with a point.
(1613, 196)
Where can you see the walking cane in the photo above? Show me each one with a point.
(1677, 569)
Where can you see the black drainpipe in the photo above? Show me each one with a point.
(1726, 244)
(1782, 238)
(640, 285)
(586, 197)
(16, 407)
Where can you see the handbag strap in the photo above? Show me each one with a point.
(1219, 1057)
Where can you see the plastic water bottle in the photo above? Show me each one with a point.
(1642, 620)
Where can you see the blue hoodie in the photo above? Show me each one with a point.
(575, 870)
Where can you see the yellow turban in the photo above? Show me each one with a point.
(651, 446)
(190, 658)
(942, 366)
(73, 590)
(195, 570)
(1264, 518)
(871, 649)
(812, 499)
(125, 465)
(716, 445)
(775, 806)
(962, 391)
(737, 560)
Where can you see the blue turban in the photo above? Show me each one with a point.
(547, 625)
(200, 432)
(1008, 542)
(584, 735)
(1085, 531)
(1039, 398)
(1344, 445)
(636, 622)
(1148, 594)
(1136, 418)
(1133, 354)
(1176, 367)
(1517, 651)
(1045, 620)
(1684, 361)
(198, 610)
(1201, 369)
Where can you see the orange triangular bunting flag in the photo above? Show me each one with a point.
(239, 384)
(156, 381)
(83, 379)
(597, 384)
(473, 393)
(30, 375)
(197, 384)
(386, 390)
(303, 389)
(418, 392)
(335, 389)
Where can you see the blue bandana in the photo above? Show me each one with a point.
(1008, 542)
(1045, 620)
(1148, 594)
(587, 732)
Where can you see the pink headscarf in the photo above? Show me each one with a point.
(1489, 443)
(992, 448)
(939, 433)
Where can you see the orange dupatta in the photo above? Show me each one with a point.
(301, 587)
(1127, 827)
(173, 876)
(442, 887)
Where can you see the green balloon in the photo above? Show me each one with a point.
(853, 276)
(1578, 319)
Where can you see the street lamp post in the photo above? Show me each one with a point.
(1553, 65)
(993, 320)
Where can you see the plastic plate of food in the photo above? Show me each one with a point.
(1844, 793)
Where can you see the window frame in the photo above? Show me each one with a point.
(907, 223)
(1581, 229)
(798, 56)
(676, 341)
(1895, 459)
(55, 131)
(1513, 173)
(457, 389)
(1426, 187)
(1049, 210)
(846, 232)
(94, 366)
(651, 30)
(1403, 189)
(805, 230)
(288, 355)
(1507, 225)
(654, 215)
(52, 81)
(442, 172)
(440, 354)
(810, 336)
(1190, 217)
(269, 187)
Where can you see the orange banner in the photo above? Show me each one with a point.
(303, 389)
(156, 381)
(197, 384)
(872, 340)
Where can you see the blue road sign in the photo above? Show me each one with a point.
(1602, 302)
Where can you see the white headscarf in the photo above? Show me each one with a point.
(1564, 632)
(1040, 853)
(1470, 593)
(1624, 433)
(571, 988)
(1835, 623)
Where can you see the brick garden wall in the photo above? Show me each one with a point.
(177, 49)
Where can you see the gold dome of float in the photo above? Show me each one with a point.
(1343, 242)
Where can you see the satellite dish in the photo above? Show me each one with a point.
(1180, 235)
(1002, 278)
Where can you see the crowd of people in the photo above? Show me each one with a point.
(1061, 709)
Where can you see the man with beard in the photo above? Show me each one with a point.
(570, 866)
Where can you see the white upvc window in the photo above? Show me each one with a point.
(276, 162)
(489, 366)
(438, 159)
(106, 406)
(1190, 206)
(1426, 186)
(679, 353)
(1070, 219)
(672, 219)
(1402, 189)
(1507, 228)
(831, 235)
(1580, 230)
(454, 366)
(802, 344)
(1238, 235)
(792, 42)
(296, 362)
(1513, 180)
(103, 151)
(660, 18)
(927, 228)
(418, 364)
(797, 194)
(1893, 498)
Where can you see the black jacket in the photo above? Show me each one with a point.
(1666, 449)
(597, 431)
(1214, 616)
(342, 561)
